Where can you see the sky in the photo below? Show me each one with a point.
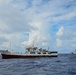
(44, 23)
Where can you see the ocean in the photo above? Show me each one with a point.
(64, 64)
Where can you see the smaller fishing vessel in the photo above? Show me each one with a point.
(74, 52)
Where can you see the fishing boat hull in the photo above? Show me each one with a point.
(9, 56)
(73, 52)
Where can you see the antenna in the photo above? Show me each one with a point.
(33, 44)
(25, 46)
(48, 47)
(10, 46)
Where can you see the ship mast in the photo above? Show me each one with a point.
(33, 44)
(48, 48)
(10, 47)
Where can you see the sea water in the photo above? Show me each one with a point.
(64, 64)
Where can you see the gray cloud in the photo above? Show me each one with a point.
(19, 16)
(2, 39)
(13, 20)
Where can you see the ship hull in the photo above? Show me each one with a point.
(9, 56)
(73, 53)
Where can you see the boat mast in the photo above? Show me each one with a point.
(10, 47)
(48, 47)
(33, 44)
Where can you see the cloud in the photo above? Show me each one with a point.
(60, 32)
(5, 45)
(2, 39)
(66, 16)
(66, 38)
(59, 42)
(13, 20)
(47, 22)
(37, 38)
